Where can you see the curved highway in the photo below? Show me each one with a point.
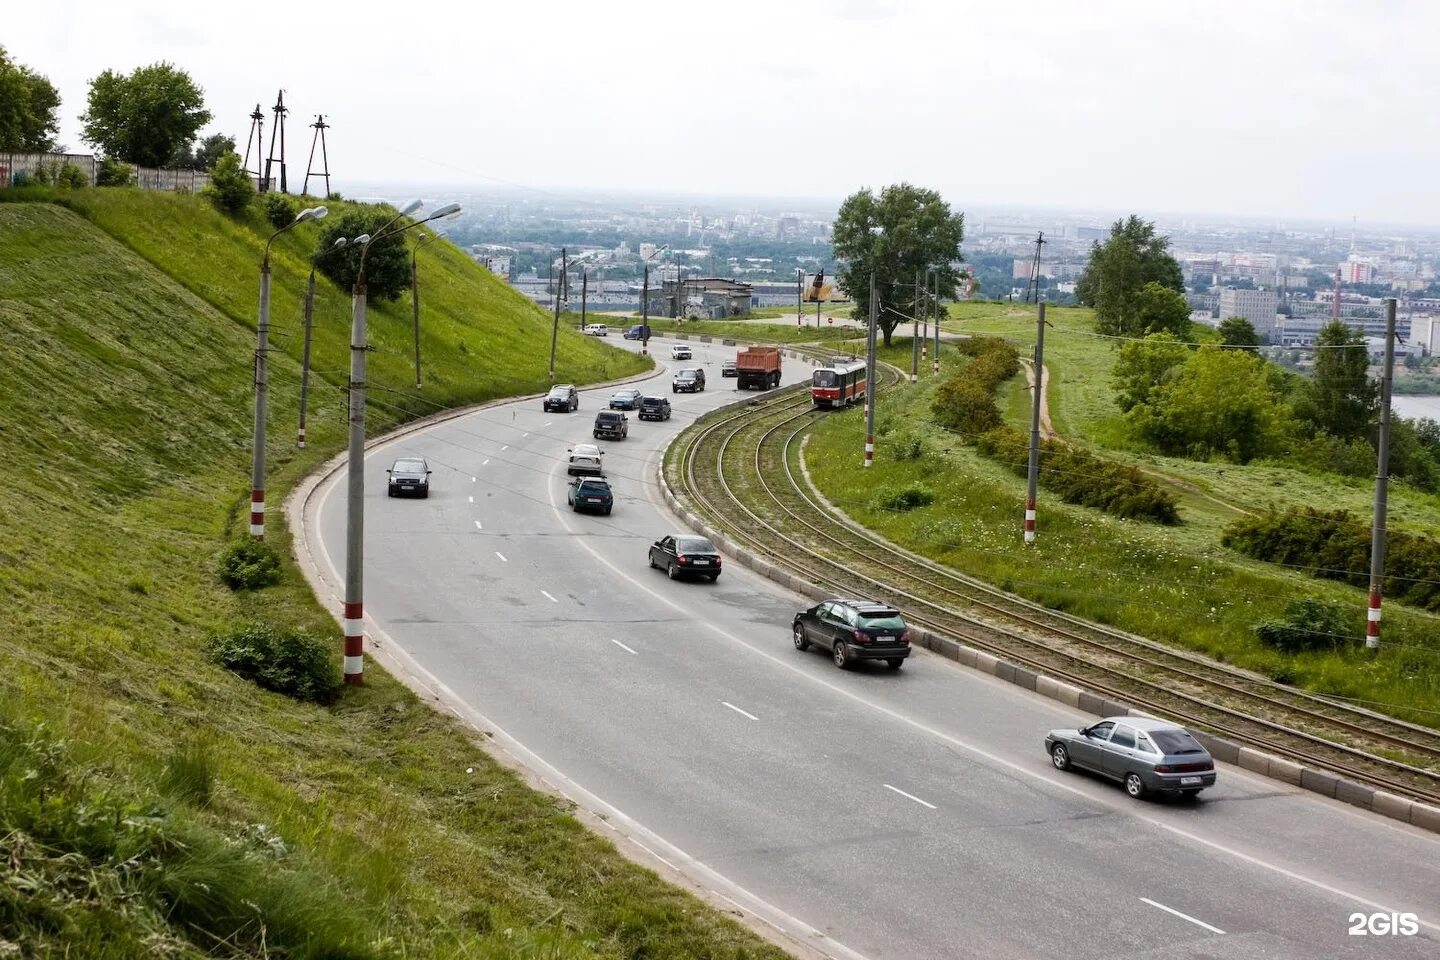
(867, 813)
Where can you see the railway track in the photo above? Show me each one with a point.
(742, 470)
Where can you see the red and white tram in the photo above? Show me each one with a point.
(840, 384)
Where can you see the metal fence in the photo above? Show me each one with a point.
(26, 167)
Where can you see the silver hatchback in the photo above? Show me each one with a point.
(1143, 753)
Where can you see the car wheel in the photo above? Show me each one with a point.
(840, 655)
(1190, 794)
(650, 556)
(673, 571)
(1060, 757)
(425, 495)
(389, 493)
(607, 511)
(713, 577)
(802, 643)
(1134, 785)
(895, 663)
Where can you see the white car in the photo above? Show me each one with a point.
(596, 330)
(586, 458)
(680, 351)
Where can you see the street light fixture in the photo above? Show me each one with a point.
(262, 377)
(355, 502)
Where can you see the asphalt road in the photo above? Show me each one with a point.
(910, 814)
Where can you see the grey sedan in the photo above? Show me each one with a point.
(1143, 753)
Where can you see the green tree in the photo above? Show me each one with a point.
(29, 108)
(230, 187)
(146, 117)
(205, 155)
(387, 266)
(1238, 332)
(1143, 365)
(917, 232)
(1120, 268)
(1159, 309)
(1341, 399)
(1220, 403)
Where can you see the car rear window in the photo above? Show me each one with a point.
(694, 545)
(594, 486)
(1172, 742)
(889, 622)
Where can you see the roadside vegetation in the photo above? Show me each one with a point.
(153, 800)
(1178, 584)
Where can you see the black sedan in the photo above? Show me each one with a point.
(686, 556)
(625, 399)
(854, 630)
(1143, 753)
(409, 477)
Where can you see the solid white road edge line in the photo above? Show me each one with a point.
(1182, 916)
(622, 646)
(911, 796)
(726, 703)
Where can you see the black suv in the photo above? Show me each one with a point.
(654, 408)
(409, 477)
(562, 398)
(611, 424)
(854, 630)
(691, 380)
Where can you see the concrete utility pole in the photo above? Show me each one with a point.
(584, 295)
(415, 303)
(1034, 475)
(555, 330)
(1382, 485)
(936, 369)
(870, 378)
(305, 358)
(262, 378)
(799, 295)
(915, 328)
(645, 313)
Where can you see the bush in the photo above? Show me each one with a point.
(250, 565)
(965, 406)
(280, 210)
(1308, 626)
(1334, 545)
(73, 177)
(286, 661)
(900, 501)
(114, 173)
(387, 265)
(230, 188)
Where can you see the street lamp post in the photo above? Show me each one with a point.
(354, 621)
(262, 378)
(645, 301)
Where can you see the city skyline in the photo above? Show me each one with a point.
(1267, 112)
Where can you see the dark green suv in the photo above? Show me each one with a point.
(854, 630)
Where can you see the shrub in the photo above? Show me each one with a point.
(1309, 625)
(114, 173)
(250, 565)
(1334, 545)
(965, 406)
(280, 210)
(900, 501)
(286, 661)
(230, 188)
(72, 176)
(387, 265)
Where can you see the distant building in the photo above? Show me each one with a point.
(1257, 306)
(1357, 271)
(1425, 333)
(707, 297)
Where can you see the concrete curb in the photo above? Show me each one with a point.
(1323, 782)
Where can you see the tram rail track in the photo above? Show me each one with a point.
(742, 470)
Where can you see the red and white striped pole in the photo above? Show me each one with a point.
(354, 643)
(1030, 520)
(1382, 485)
(870, 379)
(257, 514)
(262, 390)
(1032, 482)
(1372, 621)
(355, 495)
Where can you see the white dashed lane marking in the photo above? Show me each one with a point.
(911, 796)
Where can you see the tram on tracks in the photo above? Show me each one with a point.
(840, 384)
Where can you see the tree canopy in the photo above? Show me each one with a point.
(1119, 270)
(1143, 365)
(146, 117)
(1238, 332)
(1341, 398)
(1159, 309)
(387, 266)
(29, 108)
(205, 154)
(917, 233)
(1219, 403)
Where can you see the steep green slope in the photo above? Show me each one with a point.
(152, 804)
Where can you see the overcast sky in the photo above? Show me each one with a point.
(1291, 108)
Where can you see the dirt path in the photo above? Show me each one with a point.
(1047, 428)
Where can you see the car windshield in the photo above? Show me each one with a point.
(825, 378)
(887, 622)
(558, 392)
(594, 486)
(1172, 742)
(694, 545)
(412, 466)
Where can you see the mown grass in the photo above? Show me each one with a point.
(150, 802)
(1177, 585)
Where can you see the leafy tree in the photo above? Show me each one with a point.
(387, 266)
(1159, 309)
(280, 209)
(1238, 332)
(29, 108)
(230, 187)
(113, 173)
(918, 233)
(146, 117)
(1220, 403)
(1341, 399)
(1144, 365)
(205, 155)
(1120, 268)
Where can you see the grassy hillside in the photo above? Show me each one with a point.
(154, 804)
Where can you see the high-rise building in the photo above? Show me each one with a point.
(1257, 306)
